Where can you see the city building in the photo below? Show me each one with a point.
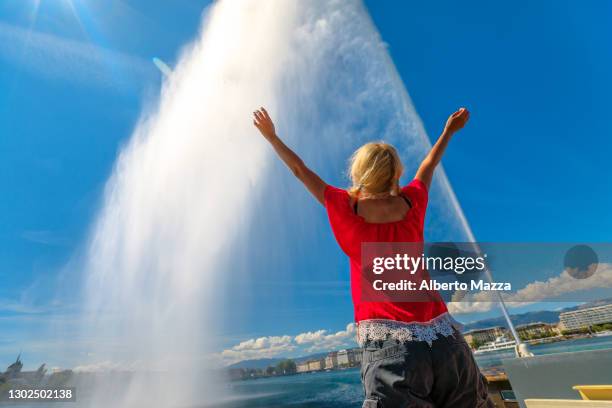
(343, 358)
(14, 373)
(484, 335)
(355, 356)
(585, 318)
(538, 329)
(316, 365)
(350, 357)
(331, 361)
(14, 369)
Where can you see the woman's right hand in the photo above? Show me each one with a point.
(263, 122)
(457, 120)
(313, 183)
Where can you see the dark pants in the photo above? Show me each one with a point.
(413, 374)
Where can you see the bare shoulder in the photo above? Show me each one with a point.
(382, 210)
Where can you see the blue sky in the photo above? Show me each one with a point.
(533, 165)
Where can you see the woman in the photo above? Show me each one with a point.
(414, 356)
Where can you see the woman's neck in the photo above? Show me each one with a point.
(364, 195)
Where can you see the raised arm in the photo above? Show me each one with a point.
(311, 180)
(454, 123)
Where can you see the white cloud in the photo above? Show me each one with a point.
(273, 346)
(104, 366)
(262, 343)
(536, 291)
(263, 347)
(320, 340)
(563, 284)
(310, 337)
(60, 58)
(20, 307)
(44, 237)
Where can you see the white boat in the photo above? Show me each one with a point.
(604, 333)
(500, 343)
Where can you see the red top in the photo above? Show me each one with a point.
(351, 230)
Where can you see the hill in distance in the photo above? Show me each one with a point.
(260, 363)
(263, 363)
(544, 316)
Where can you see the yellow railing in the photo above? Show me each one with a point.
(593, 396)
(594, 392)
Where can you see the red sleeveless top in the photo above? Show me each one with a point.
(351, 230)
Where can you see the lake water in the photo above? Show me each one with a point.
(339, 389)
(333, 389)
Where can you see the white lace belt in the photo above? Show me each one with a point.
(383, 329)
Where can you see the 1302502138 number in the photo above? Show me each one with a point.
(62, 394)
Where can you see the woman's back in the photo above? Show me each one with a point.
(382, 210)
(394, 219)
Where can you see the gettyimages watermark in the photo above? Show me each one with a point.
(485, 272)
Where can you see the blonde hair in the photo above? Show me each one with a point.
(375, 168)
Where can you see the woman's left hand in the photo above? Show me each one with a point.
(263, 122)
(457, 120)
